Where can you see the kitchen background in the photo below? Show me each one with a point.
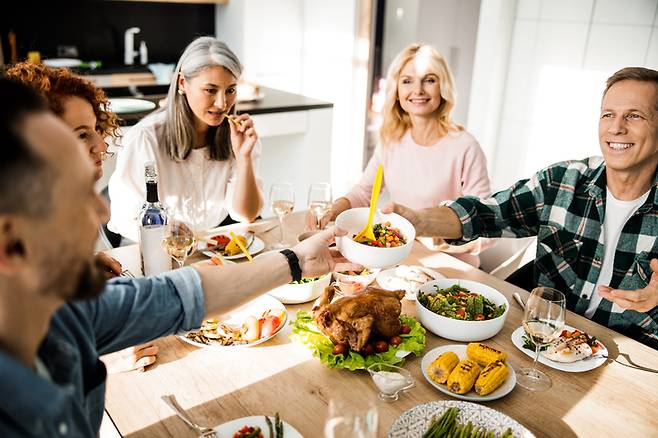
(529, 73)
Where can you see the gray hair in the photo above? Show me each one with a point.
(178, 135)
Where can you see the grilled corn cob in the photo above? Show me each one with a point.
(440, 369)
(491, 377)
(484, 354)
(463, 377)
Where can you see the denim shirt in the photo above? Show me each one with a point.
(129, 312)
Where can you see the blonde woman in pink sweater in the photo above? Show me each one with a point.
(427, 157)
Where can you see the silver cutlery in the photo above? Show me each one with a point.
(127, 273)
(205, 432)
(519, 300)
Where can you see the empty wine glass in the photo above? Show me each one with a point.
(282, 202)
(543, 322)
(351, 421)
(319, 200)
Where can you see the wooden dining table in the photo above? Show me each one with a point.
(215, 385)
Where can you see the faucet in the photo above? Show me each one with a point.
(129, 52)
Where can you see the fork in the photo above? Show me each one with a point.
(205, 432)
(127, 273)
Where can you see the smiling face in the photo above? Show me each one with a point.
(210, 94)
(628, 127)
(78, 114)
(418, 88)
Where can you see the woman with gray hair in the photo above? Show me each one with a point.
(206, 156)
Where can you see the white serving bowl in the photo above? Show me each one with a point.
(354, 220)
(455, 329)
(293, 293)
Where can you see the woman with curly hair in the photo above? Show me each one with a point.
(77, 102)
(427, 158)
(84, 108)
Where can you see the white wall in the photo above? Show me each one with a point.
(560, 54)
(307, 47)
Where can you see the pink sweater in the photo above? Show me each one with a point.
(422, 176)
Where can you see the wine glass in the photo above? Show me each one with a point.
(543, 322)
(179, 239)
(352, 421)
(282, 202)
(319, 200)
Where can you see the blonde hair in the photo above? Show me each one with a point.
(396, 120)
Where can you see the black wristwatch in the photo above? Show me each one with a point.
(293, 262)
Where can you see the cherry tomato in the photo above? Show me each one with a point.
(270, 324)
(479, 317)
(405, 330)
(395, 340)
(368, 349)
(381, 346)
(339, 349)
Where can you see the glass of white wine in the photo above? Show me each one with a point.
(282, 202)
(543, 322)
(179, 240)
(319, 201)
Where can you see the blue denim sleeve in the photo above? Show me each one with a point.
(133, 311)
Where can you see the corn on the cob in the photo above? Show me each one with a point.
(484, 354)
(462, 378)
(491, 377)
(440, 369)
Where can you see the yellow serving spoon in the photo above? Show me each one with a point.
(241, 246)
(367, 231)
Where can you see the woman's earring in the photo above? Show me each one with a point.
(181, 91)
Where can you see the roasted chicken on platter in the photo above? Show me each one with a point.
(351, 320)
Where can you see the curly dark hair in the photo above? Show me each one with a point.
(56, 84)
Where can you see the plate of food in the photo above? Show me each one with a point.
(432, 419)
(475, 372)
(257, 426)
(249, 325)
(355, 332)
(406, 278)
(228, 248)
(574, 351)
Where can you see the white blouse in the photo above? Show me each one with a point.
(197, 190)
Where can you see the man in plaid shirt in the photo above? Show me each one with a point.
(596, 220)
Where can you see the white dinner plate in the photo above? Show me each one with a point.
(125, 105)
(230, 427)
(415, 421)
(460, 350)
(237, 317)
(572, 367)
(256, 246)
(390, 279)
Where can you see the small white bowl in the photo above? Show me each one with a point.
(362, 279)
(297, 293)
(456, 329)
(354, 220)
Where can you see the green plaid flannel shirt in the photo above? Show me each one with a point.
(564, 205)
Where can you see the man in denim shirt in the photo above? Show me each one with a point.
(596, 220)
(54, 320)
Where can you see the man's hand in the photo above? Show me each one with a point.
(315, 256)
(112, 266)
(434, 222)
(641, 300)
(131, 358)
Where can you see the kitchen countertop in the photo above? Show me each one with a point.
(273, 101)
